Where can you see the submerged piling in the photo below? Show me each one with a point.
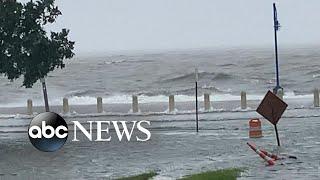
(29, 107)
(65, 106)
(207, 105)
(316, 97)
(243, 100)
(171, 103)
(135, 105)
(99, 105)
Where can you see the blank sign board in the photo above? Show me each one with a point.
(272, 107)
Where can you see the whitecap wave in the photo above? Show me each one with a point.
(127, 99)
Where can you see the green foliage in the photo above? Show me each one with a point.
(25, 48)
(144, 176)
(223, 174)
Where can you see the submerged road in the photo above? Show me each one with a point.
(174, 150)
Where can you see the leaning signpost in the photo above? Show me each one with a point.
(272, 108)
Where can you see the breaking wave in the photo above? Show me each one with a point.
(127, 99)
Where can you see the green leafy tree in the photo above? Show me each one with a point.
(26, 49)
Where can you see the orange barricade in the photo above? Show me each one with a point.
(255, 128)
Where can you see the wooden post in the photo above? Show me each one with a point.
(243, 100)
(316, 97)
(171, 103)
(207, 105)
(65, 106)
(29, 107)
(135, 105)
(99, 105)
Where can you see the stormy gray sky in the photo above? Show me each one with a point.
(113, 25)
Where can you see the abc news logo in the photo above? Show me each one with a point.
(48, 131)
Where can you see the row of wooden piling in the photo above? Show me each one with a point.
(135, 104)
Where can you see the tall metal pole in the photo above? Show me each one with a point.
(45, 94)
(276, 27)
(196, 81)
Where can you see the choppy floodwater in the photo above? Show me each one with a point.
(156, 75)
(174, 149)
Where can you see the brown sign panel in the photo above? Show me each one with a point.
(272, 107)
